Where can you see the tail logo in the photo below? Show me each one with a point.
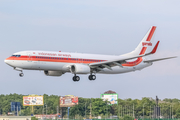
(146, 44)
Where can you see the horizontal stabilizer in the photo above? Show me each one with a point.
(155, 60)
(115, 61)
(154, 49)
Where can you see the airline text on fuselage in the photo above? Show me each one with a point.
(54, 54)
(145, 43)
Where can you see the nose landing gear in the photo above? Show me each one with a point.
(21, 74)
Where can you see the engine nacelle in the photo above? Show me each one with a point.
(53, 73)
(80, 69)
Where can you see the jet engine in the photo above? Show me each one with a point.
(53, 73)
(80, 69)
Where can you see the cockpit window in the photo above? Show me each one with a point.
(16, 55)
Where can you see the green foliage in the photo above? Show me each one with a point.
(127, 118)
(34, 118)
(51, 101)
(98, 107)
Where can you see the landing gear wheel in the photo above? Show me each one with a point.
(21, 74)
(92, 77)
(89, 77)
(76, 78)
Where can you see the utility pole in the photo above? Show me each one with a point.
(172, 112)
(121, 110)
(85, 110)
(90, 111)
(133, 110)
(46, 111)
(107, 111)
(43, 112)
(150, 113)
(20, 110)
(14, 110)
(17, 110)
(57, 112)
(143, 110)
(125, 110)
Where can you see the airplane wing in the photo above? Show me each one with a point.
(118, 62)
(155, 60)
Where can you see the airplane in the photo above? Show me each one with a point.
(59, 63)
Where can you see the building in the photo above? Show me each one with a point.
(110, 96)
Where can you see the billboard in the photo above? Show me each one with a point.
(68, 101)
(33, 100)
(112, 98)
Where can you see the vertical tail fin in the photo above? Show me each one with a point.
(146, 43)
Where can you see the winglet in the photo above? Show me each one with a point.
(155, 48)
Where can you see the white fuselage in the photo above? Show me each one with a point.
(60, 61)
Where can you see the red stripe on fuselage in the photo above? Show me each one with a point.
(54, 59)
(138, 61)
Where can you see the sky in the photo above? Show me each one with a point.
(112, 27)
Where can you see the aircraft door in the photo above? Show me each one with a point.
(29, 57)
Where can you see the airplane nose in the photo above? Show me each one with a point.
(8, 62)
(5, 61)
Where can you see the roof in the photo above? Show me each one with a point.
(110, 92)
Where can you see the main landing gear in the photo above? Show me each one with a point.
(21, 74)
(92, 77)
(76, 78)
